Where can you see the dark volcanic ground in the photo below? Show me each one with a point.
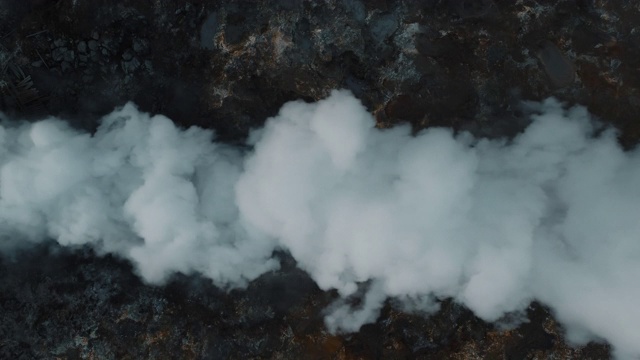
(229, 65)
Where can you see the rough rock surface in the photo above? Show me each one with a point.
(61, 304)
(229, 65)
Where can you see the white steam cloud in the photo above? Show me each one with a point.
(551, 215)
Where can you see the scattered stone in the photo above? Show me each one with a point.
(82, 47)
(69, 56)
(383, 27)
(140, 45)
(561, 71)
(127, 55)
(208, 31)
(58, 54)
(148, 66)
(130, 66)
(93, 45)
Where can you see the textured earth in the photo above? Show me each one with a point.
(230, 65)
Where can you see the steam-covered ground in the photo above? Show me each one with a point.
(229, 66)
(549, 215)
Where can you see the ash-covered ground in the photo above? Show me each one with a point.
(228, 66)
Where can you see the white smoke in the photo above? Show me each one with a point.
(140, 187)
(551, 215)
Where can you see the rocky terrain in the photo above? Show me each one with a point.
(229, 66)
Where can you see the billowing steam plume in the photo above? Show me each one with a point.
(551, 215)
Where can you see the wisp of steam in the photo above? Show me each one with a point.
(551, 215)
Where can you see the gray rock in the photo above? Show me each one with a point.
(208, 31)
(561, 71)
(356, 9)
(58, 54)
(69, 56)
(148, 66)
(383, 26)
(127, 55)
(93, 45)
(82, 47)
(140, 45)
(130, 66)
